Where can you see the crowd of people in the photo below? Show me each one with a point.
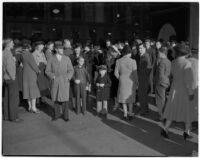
(59, 72)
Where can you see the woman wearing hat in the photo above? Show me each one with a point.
(30, 72)
(178, 107)
(60, 70)
(49, 50)
(126, 72)
(40, 59)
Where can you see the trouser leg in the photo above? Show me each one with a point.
(130, 109)
(99, 106)
(5, 102)
(78, 101)
(13, 99)
(83, 96)
(65, 110)
(160, 98)
(57, 113)
(143, 98)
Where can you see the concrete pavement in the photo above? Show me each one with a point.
(91, 135)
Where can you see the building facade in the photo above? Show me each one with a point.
(95, 21)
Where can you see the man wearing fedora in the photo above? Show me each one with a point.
(60, 70)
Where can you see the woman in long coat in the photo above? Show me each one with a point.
(60, 70)
(178, 107)
(126, 72)
(30, 72)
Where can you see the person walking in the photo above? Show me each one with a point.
(126, 72)
(162, 75)
(181, 95)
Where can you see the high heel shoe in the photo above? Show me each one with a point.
(164, 134)
(35, 111)
(186, 136)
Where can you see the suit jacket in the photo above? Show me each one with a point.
(163, 71)
(144, 68)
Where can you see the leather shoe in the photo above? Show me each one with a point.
(66, 120)
(164, 134)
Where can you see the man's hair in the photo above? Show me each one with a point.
(163, 50)
(142, 44)
(6, 42)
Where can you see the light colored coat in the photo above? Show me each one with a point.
(178, 107)
(63, 72)
(126, 72)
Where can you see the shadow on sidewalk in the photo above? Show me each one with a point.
(148, 134)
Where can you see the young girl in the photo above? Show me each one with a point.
(103, 84)
(81, 79)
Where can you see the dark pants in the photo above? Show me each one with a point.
(58, 106)
(151, 87)
(11, 100)
(143, 96)
(80, 94)
(160, 95)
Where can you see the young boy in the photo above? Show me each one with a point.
(103, 84)
(81, 79)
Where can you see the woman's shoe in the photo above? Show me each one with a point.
(35, 111)
(125, 118)
(186, 136)
(164, 134)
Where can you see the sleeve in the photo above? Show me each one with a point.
(135, 75)
(108, 81)
(148, 63)
(32, 63)
(48, 70)
(70, 69)
(48, 55)
(188, 78)
(161, 71)
(9, 67)
(87, 76)
(117, 69)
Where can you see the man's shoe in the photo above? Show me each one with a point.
(130, 118)
(66, 120)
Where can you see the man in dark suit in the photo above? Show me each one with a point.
(144, 70)
(152, 56)
(163, 70)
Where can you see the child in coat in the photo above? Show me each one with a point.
(103, 84)
(81, 79)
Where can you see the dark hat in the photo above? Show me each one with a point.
(58, 45)
(39, 43)
(102, 67)
(181, 48)
(126, 50)
(112, 49)
(26, 46)
(50, 42)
